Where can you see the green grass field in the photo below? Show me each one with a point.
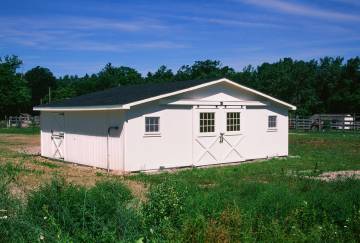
(273, 200)
(24, 131)
(270, 201)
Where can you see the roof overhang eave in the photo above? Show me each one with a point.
(82, 108)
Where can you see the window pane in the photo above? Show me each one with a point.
(152, 124)
(272, 121)
(233, 121)
(207, 122)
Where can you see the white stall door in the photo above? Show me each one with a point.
(218, 135)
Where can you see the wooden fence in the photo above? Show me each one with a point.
(326, 122)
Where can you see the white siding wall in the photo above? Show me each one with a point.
(175, 146)
(85, 137)
(260, 142)
(172, 148)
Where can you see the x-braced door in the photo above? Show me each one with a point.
(218, 135)
(57, 136)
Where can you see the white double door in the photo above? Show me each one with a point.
(218, 135)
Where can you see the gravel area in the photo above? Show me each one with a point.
(336, 175)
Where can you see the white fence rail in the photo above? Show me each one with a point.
(22, 121)
(326, 122)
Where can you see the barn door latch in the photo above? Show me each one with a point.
(221, 137)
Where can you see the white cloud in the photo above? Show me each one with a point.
(113, 47)
(56, 23)
(301, 9)
(349, 2)
(231, 22)
(84, 34)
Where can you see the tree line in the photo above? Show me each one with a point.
(327, 85)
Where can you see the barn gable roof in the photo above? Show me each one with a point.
(124, 97)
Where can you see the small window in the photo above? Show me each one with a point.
(207, 122)
(152, 124)
(272, 122)
(232, 121)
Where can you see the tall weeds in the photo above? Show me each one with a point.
(177, 210)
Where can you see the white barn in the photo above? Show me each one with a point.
(155, 126)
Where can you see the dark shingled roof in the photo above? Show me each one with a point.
(124, 94)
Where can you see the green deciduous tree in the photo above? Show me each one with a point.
(112, 76)
(291, 81)
(39, 79)
(162, 75)
(14, 92)
(208, 69)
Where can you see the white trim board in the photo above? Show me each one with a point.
(186, 102)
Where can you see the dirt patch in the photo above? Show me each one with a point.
(138, 189)
(317, 142)
(338, 175)
(35, 170)
(29, 144)
(32, 150)
(28, 140)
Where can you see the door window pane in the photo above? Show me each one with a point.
(207, 122)
(232, 121)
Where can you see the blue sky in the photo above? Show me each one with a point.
(78, 37)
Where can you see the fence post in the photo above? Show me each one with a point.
(296, 122)
(353, 122)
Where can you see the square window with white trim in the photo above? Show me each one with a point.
(232, 121)
(152, 124)
(207, 122)
(272, 122)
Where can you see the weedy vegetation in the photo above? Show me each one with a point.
(277, 200)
